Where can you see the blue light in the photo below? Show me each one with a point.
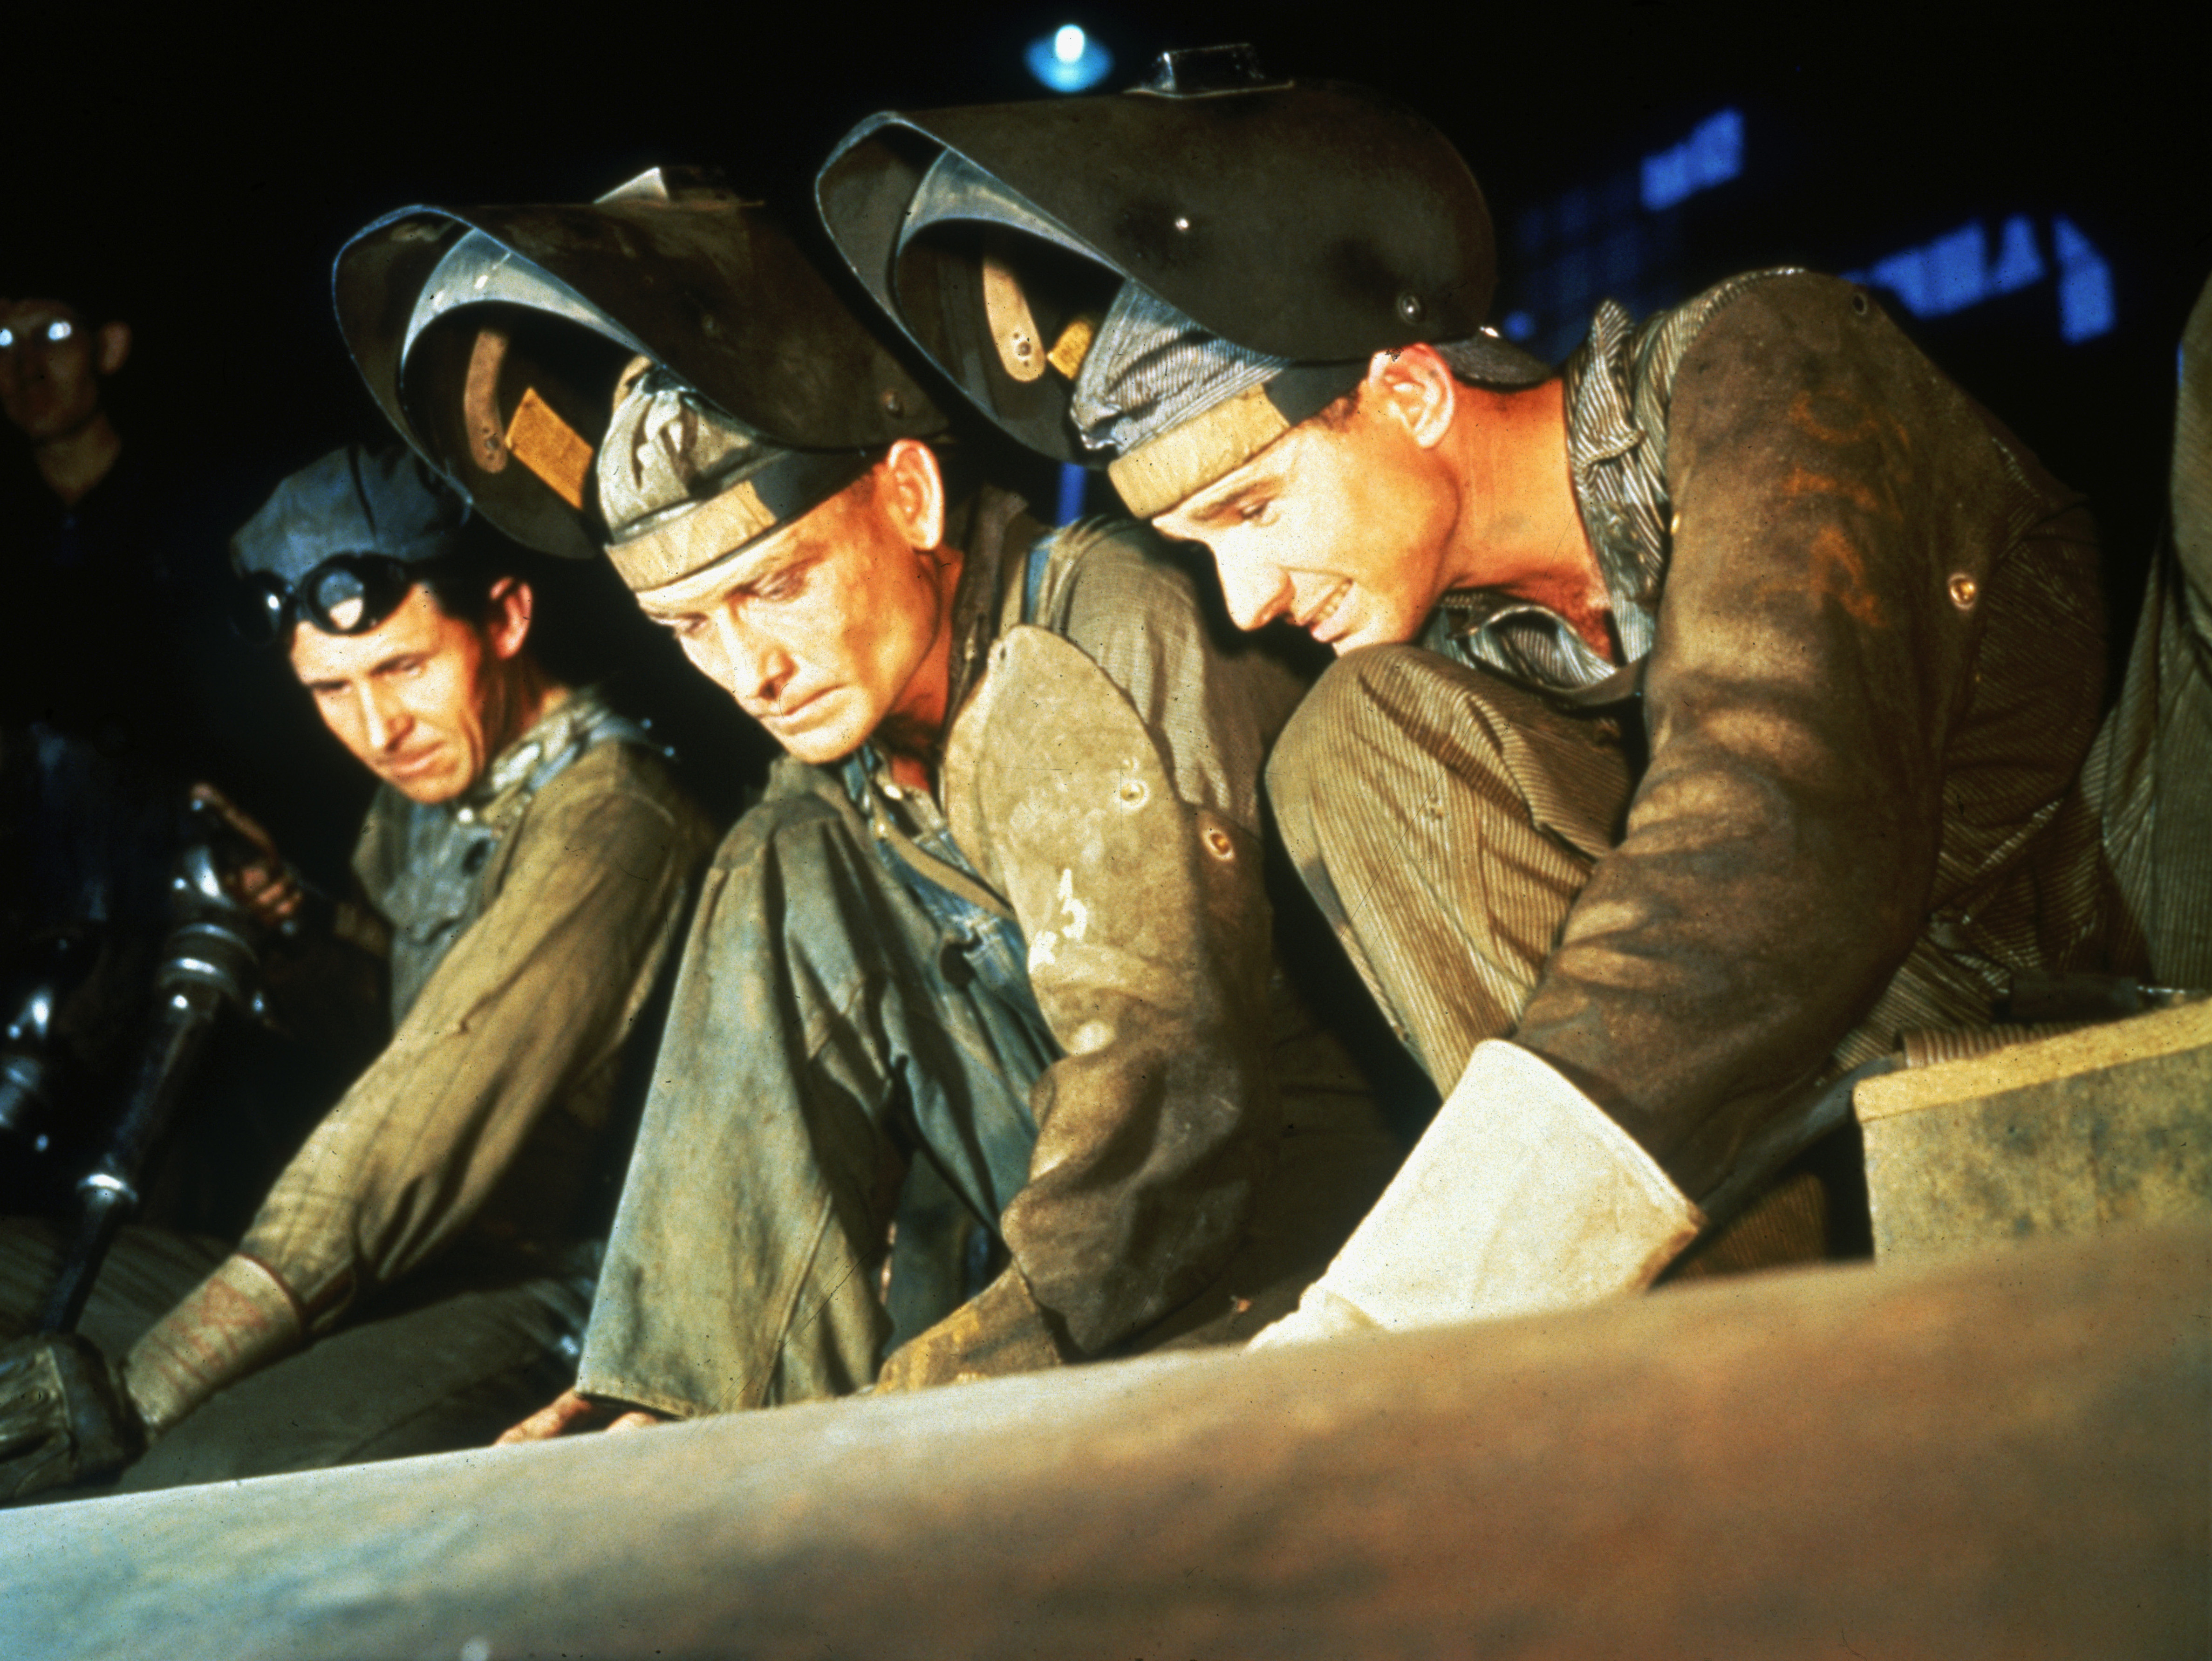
(1519, 325)
(2085, 285)
(1067, 59)
(2020, 263)
(1712, 155)
(1954, 271)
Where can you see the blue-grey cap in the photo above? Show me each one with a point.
(354, 501)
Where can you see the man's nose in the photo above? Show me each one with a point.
(755, 666)
(1257, 591)
(384, 719)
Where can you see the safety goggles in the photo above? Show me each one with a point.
(346, 594)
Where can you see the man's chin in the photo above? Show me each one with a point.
(430, 787)
(1371, 634)
(821, 745)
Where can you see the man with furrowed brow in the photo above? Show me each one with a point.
(1853, 623)
(420, 1271)
(1000, 917)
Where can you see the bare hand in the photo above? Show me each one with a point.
(570, 1413)
(264, 885)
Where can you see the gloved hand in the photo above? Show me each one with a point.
(63, 1415)
(1001, 1331)
(1523, 1195)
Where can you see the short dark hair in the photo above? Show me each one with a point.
(460, 584)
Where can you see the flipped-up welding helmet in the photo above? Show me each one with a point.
(1162, 281)
(339, 542)
(501, 342)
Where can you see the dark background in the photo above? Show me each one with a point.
(201, 175)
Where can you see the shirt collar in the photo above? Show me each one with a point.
(1620, 497)
(550, 743)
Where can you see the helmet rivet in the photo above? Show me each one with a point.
(1182, 221)
(892, 404)
(1409, 308)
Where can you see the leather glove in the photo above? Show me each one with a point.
(63, 1415)
(237, 1321)
(1001, 1329)
(1523, 1195)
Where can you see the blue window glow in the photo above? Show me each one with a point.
(2085, 285)
(1072, 481)
(1067, 59)
(2019, 263)
(1623, 259)
(1955, 271)
(1712, 155)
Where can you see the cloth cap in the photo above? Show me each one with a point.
(1176, 406)
(354, 501)
(683, 486)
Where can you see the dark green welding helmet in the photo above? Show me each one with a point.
(588, 374)
(1162, 281)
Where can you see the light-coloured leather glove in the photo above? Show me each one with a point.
(1000, 1330)
(1523, 1195)
(237, 1321)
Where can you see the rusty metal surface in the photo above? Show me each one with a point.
(2105, 1127)
(2001, 1456)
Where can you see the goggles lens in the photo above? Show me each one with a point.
(346, 594)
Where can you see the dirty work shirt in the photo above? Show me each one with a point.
(1052, 982)
(1867, 632)
(523, 926)
(527, 919)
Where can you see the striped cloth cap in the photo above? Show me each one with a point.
(684, 487)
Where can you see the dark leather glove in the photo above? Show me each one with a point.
(1001, 1329)
(63, 1415)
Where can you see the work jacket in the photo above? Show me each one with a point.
(1867, 630)
(522, 924)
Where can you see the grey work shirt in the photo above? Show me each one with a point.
(526, 920)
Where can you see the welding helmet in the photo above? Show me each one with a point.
(1099, 274)
(498, 341)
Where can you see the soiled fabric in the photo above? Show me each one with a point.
(1876, 657)
(1053, 983)
(2151, 772)
(437, 1231)
(527, 920)
(451, 1363)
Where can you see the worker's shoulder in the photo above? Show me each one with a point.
(617, 784)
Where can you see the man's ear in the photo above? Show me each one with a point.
(508, 625)
(1417, 386)
(111, 345)
(913, 492)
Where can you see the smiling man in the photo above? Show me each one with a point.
(523, 869)
(1000, 921)
(1709, 712)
